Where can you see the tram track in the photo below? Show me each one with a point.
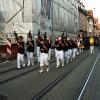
(31, 69)
(14, 66)
(52, 85)
(56, 81)
(86, 80)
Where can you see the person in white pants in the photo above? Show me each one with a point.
(65, 50)
(30, 51)
(49, 43)
(81, 44)
(78, 45)
(91, 49)
(59, 52)
(44, 49)
(38, 43)
(74, 48)
(56, 41)
(70, 51)
(20, 53)
(91, 45)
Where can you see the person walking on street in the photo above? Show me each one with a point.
(38, 43)
(59, 45)
(30, 51)
(50, 44)
(91, 45)
(44, 49)
(20, 53)
(74, 48)
(70, 50)
(65, 50)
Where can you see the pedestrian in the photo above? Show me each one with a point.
(38, 43)
(56, 41)
(20, 53)
(78, 46)
(44, 49)
(59, 45)
(65, 50)
(30, 51)
(50, 45)
(82, 46)
(74, 48)
(91, 45)
(70, 51)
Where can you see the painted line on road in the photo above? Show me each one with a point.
(82, 91)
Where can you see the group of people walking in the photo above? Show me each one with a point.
(66, 49)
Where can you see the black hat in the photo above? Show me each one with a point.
(20, 37)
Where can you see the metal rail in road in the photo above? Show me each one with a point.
(87, 80)
(56, 81)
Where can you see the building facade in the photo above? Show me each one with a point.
(90, 22)
(82, 17)
(96, 26)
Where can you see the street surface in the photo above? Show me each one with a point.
(63, 83)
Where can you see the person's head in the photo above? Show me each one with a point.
(64, 40)
(20, 38)
(42, 42)
(59, 38)
(48, 38)
(29, 39)
(68, 38)
(73, 38)
(14, 31)
(45, 33)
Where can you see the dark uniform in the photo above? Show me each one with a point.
(74, 48)
(30, 52)
(59, 45)
(65, 50)
(38, 43)
(44, 49)
(20, 53)
(50, 46)
(70, 47)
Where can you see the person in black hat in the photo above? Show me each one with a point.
(50, 45)
(38, 43)
(44, 49)
(59, 45)
(20, 53)
(30, 51)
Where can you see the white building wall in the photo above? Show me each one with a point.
(25, 15)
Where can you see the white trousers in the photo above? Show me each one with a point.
(38, 53)
(60, 56)
(70, 54)
(30, 58)
(20, 59)
(43, 59)
(80, 50)
(91, 49)
(55, 52)
(77, 51)
(66, 55)
(74, 52)
(49, 54)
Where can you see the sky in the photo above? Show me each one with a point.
(93, 5)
